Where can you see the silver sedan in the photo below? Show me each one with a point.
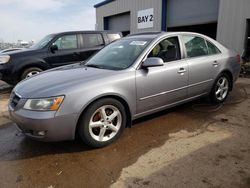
(133, 77)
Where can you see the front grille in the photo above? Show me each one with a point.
(14, 99)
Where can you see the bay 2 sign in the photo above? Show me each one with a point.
(145, 18)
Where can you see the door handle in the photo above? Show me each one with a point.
(181, 71)
(215, 63)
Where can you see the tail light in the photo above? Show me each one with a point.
(238, 58)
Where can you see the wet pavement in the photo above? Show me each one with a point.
(28, 163)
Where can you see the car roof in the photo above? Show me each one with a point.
(85, 32)
(159, 34)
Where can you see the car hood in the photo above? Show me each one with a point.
(23, 52)
(61, 80)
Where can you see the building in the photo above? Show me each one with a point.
(228, 21)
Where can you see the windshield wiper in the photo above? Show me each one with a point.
(94, 66)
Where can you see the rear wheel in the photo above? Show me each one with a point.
(102, 123)
(27, 73)
(220, 89)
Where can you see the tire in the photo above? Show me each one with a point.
(30, 72)
(108, 119)
(221, 89)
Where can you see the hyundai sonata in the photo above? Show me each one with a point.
(130, 78)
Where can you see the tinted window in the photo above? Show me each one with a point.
(92, 40)
(195, 46)
(113, 37)
(212, 49)
(167, 50)
(66, 42)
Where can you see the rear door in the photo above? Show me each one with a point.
(90, 44)
(68, 50)
(160, 86)
(201, 65)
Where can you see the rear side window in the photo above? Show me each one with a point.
(113, 37)
(212, 49)
(195, 46)
(168, 50)
(66, 42)
(92, 40)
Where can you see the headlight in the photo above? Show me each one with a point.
(4, 59)
(45, 104)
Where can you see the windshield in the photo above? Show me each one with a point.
(119, 55)
(43, 42)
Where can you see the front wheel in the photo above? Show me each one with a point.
(102, 122)
(27, 73)
(220, 89)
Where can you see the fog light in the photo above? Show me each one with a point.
(41, 133)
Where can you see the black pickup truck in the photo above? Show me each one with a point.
(52, 51)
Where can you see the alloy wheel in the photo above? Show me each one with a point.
(222, 87)
(32, 73)
(105, 123)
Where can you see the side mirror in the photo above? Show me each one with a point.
(53, 48)
(153, 62)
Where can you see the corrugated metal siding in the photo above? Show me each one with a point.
(191, 12)
(121, 6)
(232, 23)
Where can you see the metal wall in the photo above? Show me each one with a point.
(191, 12)
(230, 14)
(132, 6)
(232, 23)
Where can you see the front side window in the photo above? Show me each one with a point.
(195, 46)
(120, 54)
(212, 49)
(168, 50)
(92, 40)
(66, 42)
(42, 43)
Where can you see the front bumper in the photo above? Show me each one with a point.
(56, 128)
(2, 71)
(5, 74)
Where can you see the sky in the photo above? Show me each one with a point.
(33, 19)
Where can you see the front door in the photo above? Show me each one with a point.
(68, 51)
(158, 87)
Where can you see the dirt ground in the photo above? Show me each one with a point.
(192, 145)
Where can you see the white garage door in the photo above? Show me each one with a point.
(191, 12)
